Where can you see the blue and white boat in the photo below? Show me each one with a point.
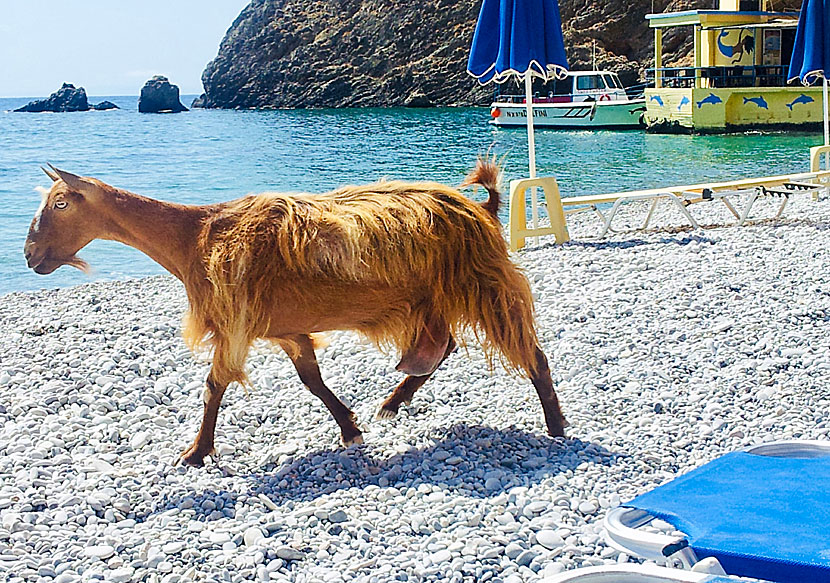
(583, 99)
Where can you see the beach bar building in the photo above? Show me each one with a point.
(739, 79)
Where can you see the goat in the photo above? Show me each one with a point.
(408, 265)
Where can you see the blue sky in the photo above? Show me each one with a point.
(110, 47)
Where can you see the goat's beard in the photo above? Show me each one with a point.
(79, 263)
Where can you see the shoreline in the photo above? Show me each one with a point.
(667, 347)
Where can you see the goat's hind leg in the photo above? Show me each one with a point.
(404, 392)
(542, 381)
(535, 363)
(300, 349)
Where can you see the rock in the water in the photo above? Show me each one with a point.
(105, 105)
(418, 99)
(199, 102)
(160, 96)
(67, 98)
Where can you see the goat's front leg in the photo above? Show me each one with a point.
(300, 349)
(203, 444)
(404, 392)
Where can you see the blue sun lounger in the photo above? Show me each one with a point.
(762, 513)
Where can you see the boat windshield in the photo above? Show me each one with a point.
(589, 82)
(612, 81)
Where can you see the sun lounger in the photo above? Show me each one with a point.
(606, 206)
(632, 573)
(763, 513)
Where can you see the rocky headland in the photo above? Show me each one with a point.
(353, 53)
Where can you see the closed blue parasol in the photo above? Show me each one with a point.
(811, 53)
(514, 37)
(521, 39)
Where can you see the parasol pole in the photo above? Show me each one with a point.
(826, 124)
(531, 144)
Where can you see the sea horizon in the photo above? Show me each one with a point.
(185, 98)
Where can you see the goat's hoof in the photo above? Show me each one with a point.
(192, 456)
(384, 413)
(356, 440)
(557, 431)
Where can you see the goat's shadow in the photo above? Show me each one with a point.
(476, 461)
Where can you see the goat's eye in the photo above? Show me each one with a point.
(60, 204)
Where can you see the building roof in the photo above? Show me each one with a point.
(719, 18)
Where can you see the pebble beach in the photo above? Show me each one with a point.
(668, 348)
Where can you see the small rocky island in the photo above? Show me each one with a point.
(160, 96)
(67, 98)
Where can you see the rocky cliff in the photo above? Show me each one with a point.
(353, 53)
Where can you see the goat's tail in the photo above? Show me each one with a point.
(487, 173)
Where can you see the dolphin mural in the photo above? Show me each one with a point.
(684, 101)
(759, 101)
(658, 99)
(805, 99)
(709, 99)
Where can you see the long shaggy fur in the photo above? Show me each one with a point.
(423, 241)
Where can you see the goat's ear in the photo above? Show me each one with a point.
(50, 173)
(76, 183)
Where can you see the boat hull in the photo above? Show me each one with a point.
(583, 114)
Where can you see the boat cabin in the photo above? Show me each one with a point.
(739, 76)
(577, 86)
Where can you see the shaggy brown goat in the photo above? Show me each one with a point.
(408, 265)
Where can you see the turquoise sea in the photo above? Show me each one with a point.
(207, 156)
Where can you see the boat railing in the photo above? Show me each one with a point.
(567, 98)
(714, 77)
(638, 91)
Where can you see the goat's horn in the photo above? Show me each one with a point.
(50, 174)
(72, 181)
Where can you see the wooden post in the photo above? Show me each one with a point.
(698, 78)
(658, 57)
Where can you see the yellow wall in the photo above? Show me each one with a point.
(720, 109)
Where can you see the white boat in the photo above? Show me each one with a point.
(584, 99)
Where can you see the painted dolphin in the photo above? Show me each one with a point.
(800, 99)
(759, 101)
(711, 98)
(684, 101)
(658, 99)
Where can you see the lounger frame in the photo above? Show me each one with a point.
(622, 524)
(815, 183)
(628, 573)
